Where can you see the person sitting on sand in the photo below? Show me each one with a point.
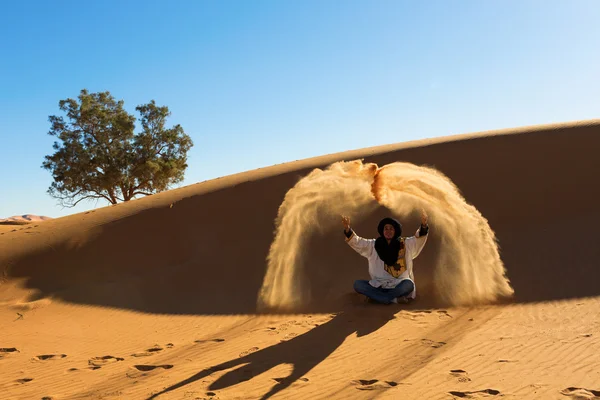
(390, 260)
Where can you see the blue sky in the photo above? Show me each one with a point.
(257, 83)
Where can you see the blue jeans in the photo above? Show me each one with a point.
(381, 295)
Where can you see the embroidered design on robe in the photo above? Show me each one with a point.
(400, 267)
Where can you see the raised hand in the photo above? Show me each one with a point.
(424, 218)
(346, 222)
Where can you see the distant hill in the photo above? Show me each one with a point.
(23, 219)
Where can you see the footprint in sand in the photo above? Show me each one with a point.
(209, 340)
(272, 330)
(581, 393)
(373, 384)
(286, 325)
(209, 396)
(7, 350)
(476, 393)
(276, 330)
(249, 351)
(460, 374)
(141, 370)
(279, 380)
(413, 315)
(97, 362)
(432, 343)
(419, 314)
(289, 336)
(152, 350)
(443, 314)
(45, 357)
(146, 368)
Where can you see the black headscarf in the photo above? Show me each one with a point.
(389, 252)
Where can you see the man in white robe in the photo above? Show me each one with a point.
(390, 258)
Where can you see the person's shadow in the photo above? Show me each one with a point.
(303, 352)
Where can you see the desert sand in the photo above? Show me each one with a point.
(158, 298)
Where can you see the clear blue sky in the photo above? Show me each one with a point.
(256, 83)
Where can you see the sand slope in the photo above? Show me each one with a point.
(165, 289)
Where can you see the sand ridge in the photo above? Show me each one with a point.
(154, 299)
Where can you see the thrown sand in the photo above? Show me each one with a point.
(468, 269)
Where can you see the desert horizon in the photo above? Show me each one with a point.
(158, 298)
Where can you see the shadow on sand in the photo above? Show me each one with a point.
(308, 350)
(303, 352)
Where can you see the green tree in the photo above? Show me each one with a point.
(98, 155)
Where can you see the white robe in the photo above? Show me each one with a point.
(377, 268)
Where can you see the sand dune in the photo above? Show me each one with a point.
(14, 223)
(157, 298)
(25, 218)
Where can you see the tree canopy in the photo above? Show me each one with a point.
(98, 155)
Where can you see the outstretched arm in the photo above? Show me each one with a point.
(417, 242)
(362, 246)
